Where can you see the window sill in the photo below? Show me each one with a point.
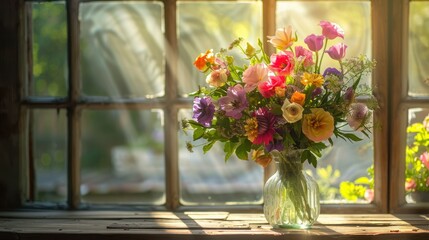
(202, 225)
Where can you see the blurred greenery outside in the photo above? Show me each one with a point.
(107, 131)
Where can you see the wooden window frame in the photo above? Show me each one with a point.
(389, 20)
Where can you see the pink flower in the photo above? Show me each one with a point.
(234, 102)
(304, 55)
(314, 43)
(337, 51)
(410, 184)
(425, 159)
(254, 75)
(369, 195)
(282, 63)
(266, 121)
(331, 30)
(268, 88)
(358, 116)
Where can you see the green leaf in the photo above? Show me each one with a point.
(229, 149)
(243, 150)
(198, 133)
(208, 146)
(352, 137)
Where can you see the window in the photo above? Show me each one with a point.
(99, 116)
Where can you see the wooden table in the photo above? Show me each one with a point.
(84, 225)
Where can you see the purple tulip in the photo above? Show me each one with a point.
(337, 51)
(314, 43)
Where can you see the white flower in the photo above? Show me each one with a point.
(292, 112)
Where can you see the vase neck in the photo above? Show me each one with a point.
(288, 162)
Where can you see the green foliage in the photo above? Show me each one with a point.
(417, 157)
(327, 177)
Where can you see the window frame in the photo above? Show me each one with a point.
(389, 52)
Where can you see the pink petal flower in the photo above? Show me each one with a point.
(254, 75)
(282, 63)
(425, 159)
(304, 55)
(314, 43)
(268, 88)
(331, 30)
(410, 184)
(337, 51)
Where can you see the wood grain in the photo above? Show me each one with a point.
(204, 225)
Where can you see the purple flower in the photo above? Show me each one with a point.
(332, 71)
(316, 92)
(203, 110)
(314, 42)
(234, 102)
(275, 145)
(349, 94)
(337, 51)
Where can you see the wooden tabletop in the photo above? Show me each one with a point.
(203, 225)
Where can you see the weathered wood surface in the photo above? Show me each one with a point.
(203, 225)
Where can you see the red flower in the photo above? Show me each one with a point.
(268, 88)
(282, 63)
(266, 121)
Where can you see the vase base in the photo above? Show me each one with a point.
(293, 226)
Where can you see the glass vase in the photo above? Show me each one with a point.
(291, 196)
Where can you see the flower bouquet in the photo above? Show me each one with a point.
(277, 104)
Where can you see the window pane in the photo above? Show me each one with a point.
(419, 49)
(353, 16)
(212, 25)
(49, 138)
(417, 157)
(208, 179)
(122, 49)
(49, 55)
(337, 174)
(344, 171)
(122, 156)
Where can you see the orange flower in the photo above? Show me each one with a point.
(312, 79)
(318, 125)
(201, 61)
(261, 158)
(283, 38)
(298, 97)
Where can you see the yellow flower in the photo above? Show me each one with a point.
(312, 79)
(292, 112)
(283, 38)
(251, 129)
(318, 125)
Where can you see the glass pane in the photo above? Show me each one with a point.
(122, 49)
(122, 156)
(212, 25)
(417, 156)
(344, 171)
(49, 137)
(208, 179)
(354, 17)
(49, 55)
(418, 49)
